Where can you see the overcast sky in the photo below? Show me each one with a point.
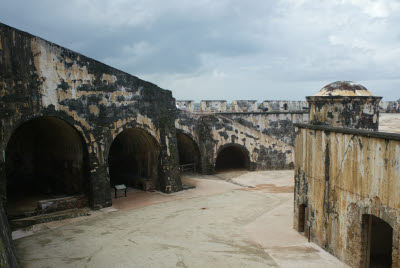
(228, 49)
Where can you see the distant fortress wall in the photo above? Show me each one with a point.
(222, 106)
(239, 106)
(389, 106)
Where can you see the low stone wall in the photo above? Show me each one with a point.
(341, 175)
(59, 204)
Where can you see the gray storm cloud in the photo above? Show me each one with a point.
(283, 49)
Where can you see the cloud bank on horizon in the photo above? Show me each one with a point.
(228, 49)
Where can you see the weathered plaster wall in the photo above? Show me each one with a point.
(268, 138)
(342, 174)
(343, 111)
(278, 125)
(38, 78)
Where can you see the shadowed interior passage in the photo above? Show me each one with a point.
(188, 150)
(379, 242)
(232, 157)
(46, 158)
(133, 160)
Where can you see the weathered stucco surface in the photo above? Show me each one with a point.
(341, 175)
(343, 111)
(345, 104)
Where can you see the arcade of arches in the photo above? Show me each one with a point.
(232, 157)
(133, 160)
(46, 158)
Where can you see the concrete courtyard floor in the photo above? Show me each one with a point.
(389, 123)
(233, 219)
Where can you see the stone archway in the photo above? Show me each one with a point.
(46, 159)
(133, 160)
(189, 153)
(302, 219)
(231, 157)
(377, 242)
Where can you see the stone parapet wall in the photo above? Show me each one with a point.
(8, 257)
(213, 106)
(187, 104)
(245, 106)
(283, 105)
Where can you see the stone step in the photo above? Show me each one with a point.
(55, 216)
(188, 187)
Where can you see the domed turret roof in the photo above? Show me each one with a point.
(344, 88)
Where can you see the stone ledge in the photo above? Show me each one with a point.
(366, 133)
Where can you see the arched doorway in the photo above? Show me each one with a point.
(232, 157)
(133, 160)
(378, 242)
(189, 153)
(46, 159)
(302, 219)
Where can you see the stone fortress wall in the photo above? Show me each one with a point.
(272, 105)
(347, 178)
(242, 106)
(266, 137)
(72, 126)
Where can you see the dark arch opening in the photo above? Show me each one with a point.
(303, 218)
(378, 242)
(133, 160)
(189, 153)
(232, 157)
(46, 158)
